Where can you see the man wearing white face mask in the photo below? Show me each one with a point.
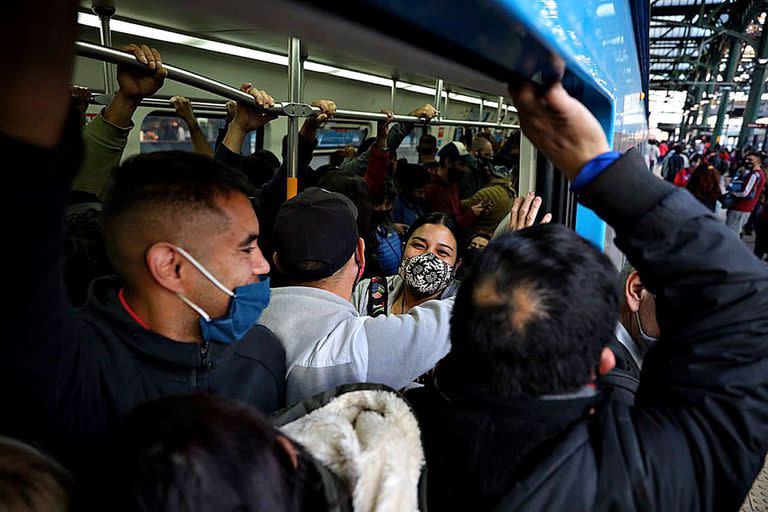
(636, 331)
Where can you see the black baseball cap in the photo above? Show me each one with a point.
(318, 227)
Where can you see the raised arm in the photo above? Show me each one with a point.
(376, 171)
(399, 131)
(43, 152)
(702, 403)
(395, 136)
(247, 118)
(403, 347)
(184, 109)
(106, 136)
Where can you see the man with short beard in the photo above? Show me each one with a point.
(444, 195)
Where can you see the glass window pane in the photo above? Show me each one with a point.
(165, 131)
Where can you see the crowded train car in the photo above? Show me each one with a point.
(385, 256)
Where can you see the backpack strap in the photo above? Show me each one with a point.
(378, 295)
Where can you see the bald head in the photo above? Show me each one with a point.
(520, 324)
(481, 144)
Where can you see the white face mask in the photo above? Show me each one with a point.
(648, 340)
(426, 274)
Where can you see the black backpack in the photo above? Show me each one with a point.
(674, 165)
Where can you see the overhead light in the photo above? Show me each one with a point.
(349, 74)
(134, 29)
(762, 61)
(142, 31)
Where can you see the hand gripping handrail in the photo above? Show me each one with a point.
(114, 56)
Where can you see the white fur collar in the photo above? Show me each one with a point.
(371, 440)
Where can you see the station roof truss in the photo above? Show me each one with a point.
(690, 41)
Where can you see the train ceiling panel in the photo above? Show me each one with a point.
(258, 28)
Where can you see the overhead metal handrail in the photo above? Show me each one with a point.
(114, 56)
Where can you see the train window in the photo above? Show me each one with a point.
(407, 148)
(338, 137)
(165, 131)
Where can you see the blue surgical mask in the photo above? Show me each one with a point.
(246, 306)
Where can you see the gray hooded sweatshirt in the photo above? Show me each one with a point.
(328, 343)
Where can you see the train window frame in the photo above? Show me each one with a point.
(253, 141)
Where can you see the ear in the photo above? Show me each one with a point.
(457, 265)
(607, 361)
(164, 264)
(633, 290)
(276, 261)
(360, 252)
(290, 449)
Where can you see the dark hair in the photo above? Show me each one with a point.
(427, 144)
(533, 314)
(704, 184)
(199, 452)
(440, 219)
(170, 186)
(367, 143)
(355, 188)
(31, 481)
(336, 158)
(259, 167)
(409, 177)
(387, 194)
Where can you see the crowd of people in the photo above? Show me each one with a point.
(728, 181)
(397, 336)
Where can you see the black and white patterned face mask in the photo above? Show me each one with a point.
(425, 274)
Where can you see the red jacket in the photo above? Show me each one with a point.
(682, 177)
(376, 173)
(444, 197)
(751, 192)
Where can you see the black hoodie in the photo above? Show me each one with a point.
(697, 433)
(67, 375)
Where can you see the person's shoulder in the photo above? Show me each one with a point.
(259, 342)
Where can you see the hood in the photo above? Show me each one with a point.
(371, 440)
(109, 317)
(505, 183)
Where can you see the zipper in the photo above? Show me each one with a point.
(205, 349)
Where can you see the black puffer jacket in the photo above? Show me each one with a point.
(698, 432)
(66, 375)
